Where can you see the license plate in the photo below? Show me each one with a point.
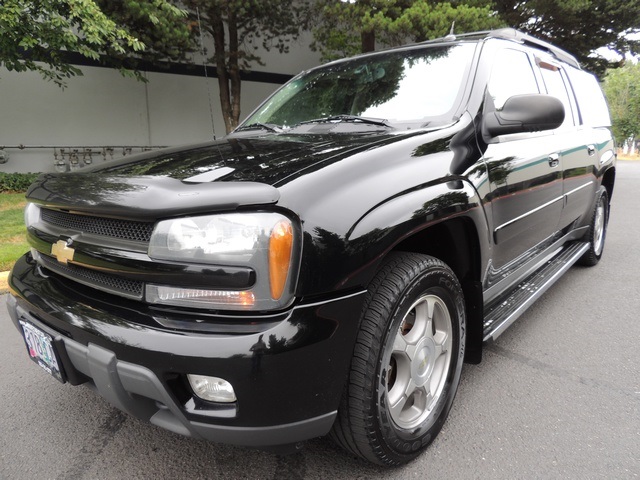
(42, 349)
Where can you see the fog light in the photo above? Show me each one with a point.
(213, 389)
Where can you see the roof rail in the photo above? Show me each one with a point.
(514, 35)
(518, 36)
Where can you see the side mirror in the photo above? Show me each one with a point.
(524, 113)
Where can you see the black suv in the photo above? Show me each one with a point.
(330, 265)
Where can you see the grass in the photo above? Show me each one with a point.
(13, 243)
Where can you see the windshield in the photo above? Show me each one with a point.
(413, 87)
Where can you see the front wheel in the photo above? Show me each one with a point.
(407, 361)
(597, 230)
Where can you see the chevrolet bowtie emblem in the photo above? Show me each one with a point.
(62, 251)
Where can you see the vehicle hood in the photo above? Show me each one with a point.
(270, 159)
(232, 172)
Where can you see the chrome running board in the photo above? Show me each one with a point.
(506, 310)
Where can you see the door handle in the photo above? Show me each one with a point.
(591, 150)
(554, 160)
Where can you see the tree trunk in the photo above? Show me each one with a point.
(234, 70)
(368, 40)
(218, 33)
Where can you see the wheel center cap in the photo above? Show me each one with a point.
(423, 361)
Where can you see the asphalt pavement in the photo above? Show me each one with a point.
(557, 396)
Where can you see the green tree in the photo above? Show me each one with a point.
(238, 27)
(578, 26)
(37, 34)
(622, 88)
(345, 28)
(165, 29)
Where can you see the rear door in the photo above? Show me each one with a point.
(594, 149)
(576, 147)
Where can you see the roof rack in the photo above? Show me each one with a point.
(517, 36)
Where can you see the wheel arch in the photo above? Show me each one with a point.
(456, 243)
(608, 180)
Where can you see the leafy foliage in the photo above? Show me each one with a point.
(163, 28)
(16, 182)
(578, 26)
(36, 34)
(622, 88)
(347, 28)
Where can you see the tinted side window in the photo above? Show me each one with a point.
(591, 103)
(552, 77)
(511, 74)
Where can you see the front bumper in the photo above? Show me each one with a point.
(124, 350)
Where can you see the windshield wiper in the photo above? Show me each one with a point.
(271, 127)
(348, 118)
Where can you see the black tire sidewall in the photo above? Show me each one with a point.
(441, 282)
(591, 258)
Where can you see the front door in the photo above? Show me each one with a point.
(525, 171)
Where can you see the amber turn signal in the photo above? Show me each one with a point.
(280, 246)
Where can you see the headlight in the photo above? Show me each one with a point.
(261, 241)
(218, 239)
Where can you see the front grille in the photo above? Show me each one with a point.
(102, 281)
(109, 227)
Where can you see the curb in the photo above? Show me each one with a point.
(4, 286)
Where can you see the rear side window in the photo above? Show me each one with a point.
(591, 103)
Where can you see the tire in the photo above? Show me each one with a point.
(407, 361)
(597, 230)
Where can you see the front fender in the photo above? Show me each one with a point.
(409, 214)
(334, 262)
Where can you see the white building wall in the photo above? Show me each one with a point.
(102, 108)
